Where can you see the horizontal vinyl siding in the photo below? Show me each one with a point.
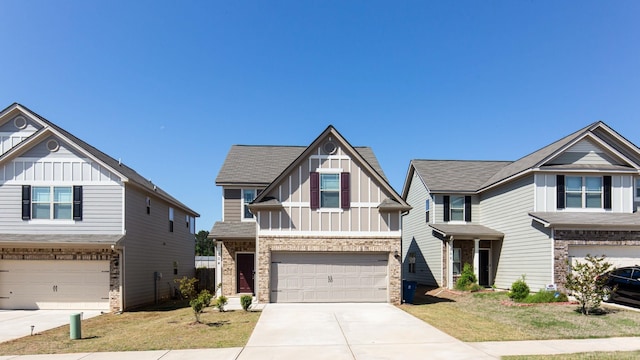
(232, 205)
(527, 247)
(150, 247)
(417, 237)
(102, 213)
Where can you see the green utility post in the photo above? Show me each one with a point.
(75, 331)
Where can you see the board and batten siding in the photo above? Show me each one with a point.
(150, 247)
(11, 135)
(585, 152)
(362, 216)
(527, 248)
(417, 238)
(622, 190)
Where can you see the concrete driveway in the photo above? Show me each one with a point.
(349, 331)
(17, 323)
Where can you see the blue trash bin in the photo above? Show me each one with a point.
(408, 291)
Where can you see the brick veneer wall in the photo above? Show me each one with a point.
(115, 296)
(388, 245)
(564, 238)
(229, 250)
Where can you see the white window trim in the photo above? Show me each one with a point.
(636, 188)
(337, 209)
(584, 207)
(451, 208)
(453, 261)
(52, 202)
(243, 204)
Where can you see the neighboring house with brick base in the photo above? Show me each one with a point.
(532, 217)
(317, 223)
(79, 229)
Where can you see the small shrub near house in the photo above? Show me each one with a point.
(519, 290)
(544, 296)
(467, 280)
(221, 302)
(245, 301)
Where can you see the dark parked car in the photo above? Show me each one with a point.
(623, 285)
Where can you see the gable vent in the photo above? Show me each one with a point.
(20, 122)
(329, 147)
(53, 146)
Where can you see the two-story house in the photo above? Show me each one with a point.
(532, 217)
(317, 223)
(79, 229)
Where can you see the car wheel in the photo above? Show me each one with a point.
(606, 294)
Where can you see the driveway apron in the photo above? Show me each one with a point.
(349, 331)
(17, 323)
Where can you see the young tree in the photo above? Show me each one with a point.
(586, 282)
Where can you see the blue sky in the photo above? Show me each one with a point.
(169, 86)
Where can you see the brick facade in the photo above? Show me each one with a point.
(565, 238)
(268, 244)
(229, 250)
(115, 295)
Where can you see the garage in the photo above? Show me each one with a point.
(59, 284)
(329, 277)
(617, 255)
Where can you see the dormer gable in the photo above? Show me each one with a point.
(590, 151)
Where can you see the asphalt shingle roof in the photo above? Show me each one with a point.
(456, 175)
(233, 230)
(467, 231)
(589, 220)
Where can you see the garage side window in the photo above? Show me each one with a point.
(52, 202)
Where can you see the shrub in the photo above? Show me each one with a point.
(206, 296)
(586, 283)
(245, 301)
(200, 302)
(221, 302)
(187, 287)
(519, 290)
(467, 280)
(544, 296)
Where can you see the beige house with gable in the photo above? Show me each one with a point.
(318, 223)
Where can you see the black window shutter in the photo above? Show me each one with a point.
(77, 203)
(560, 191)
(467, 208)
(26, 202)
(345, 196)
(606, 182)
(314, 182)
(447, 208)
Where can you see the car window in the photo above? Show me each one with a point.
(624, 272)
(636, 274)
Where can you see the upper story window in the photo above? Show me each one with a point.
(52, 202)
(457, 208)
(248, 195)
(583, 192)
(330, 190)
(170, 219)
(426, 209)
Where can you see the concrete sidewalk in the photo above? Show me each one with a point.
(555, 347)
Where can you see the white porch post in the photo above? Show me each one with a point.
(476, 258)
(218, 267)
(450, 264)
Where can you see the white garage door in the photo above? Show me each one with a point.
(617, 255)
(327, 277)
(31, 284)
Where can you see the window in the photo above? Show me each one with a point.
(170, 219)
(330, 190)
(456, 262)
(148, 201)
(412, 262)
(247, 197)
(583, 192)
(638, 188)
(52, 202)
(426, 210)
(457, 208)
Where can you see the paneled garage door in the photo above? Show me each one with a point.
(617, 255)
(328, 277)
(31, 284)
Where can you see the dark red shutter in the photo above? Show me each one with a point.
(447, 208)
(606, 182)
(314, 180)
(345, 198)
(26, 202)
(467, 208)
(560, 191)
(77, 203)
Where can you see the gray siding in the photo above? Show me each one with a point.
(232, 205)
(102, 213)
(150, 247)
(527, 247)
(417, 237)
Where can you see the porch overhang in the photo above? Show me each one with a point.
(587, 220)
(466, 231)
(233, 230)
(267, 204)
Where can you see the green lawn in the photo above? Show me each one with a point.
(169, 326)
(483, 317)
(618, 355)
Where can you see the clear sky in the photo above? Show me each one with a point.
(169, 86)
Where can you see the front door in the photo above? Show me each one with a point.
(484, 268)
(244, 279)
